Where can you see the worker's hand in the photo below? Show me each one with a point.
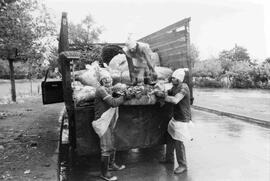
(128, 95)
(154, 75)
(160, 94)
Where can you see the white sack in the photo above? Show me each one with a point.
(119, 62)
(91, 75)
(101, 125)
(83, 94)
(163, 72)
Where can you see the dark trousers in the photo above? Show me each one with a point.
(107, 142)
(179, 149)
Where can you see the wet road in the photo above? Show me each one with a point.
(254, 103)
(224, 149)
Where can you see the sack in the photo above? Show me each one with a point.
(90, 76)
(163, 72)
(119, 62)
(52, 91)
(84, 94)
(120, 77)
(143, 100)
(154, 59)
(101, 125)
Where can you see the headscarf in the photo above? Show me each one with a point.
(131, 43)
(179, 74)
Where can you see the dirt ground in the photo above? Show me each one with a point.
(29, 133)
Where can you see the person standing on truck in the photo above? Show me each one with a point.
(139, 62)
(103, 102)
(178, 127)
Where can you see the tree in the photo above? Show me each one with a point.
(194, 54)
(85, 32)
(82, 35)
(241, 75)
(207, 68)
(23, 26)
(236, 54)
(266, 61)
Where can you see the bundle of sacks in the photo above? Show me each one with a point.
(88, 81)
(118, 67)
(136, 95)
(82, 94)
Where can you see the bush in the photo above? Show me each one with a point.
(207, 68)
(207, 82)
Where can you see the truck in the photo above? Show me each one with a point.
(138, 126)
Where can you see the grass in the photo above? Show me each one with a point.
(23, 90)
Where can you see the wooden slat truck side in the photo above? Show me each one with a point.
(138, 126)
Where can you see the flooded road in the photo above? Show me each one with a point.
(223, 149)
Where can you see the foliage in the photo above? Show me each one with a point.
(81, 37)
(267, 61)
(236, 54)
(4, 68)
(85, 32)
(27, 26)
(207, 68)
(194, 54)
(235, 64)
(89, 55)
(207, 82)
(240, 75)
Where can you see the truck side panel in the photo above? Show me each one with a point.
(172, 45)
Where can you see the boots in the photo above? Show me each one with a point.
(113, 166)
(181, 157)
(105, 174)
(169, 158)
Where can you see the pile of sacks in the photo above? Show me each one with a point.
(88, 80)
(118, 67)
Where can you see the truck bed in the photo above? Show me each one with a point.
(138, 126)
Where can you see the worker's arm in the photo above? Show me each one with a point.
(146, 55)
(174, 99)
(113, 102)
(182, 92)
(148, 60)
(130, 65)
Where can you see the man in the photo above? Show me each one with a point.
(179, 96)
(139, 62)
(103, 102)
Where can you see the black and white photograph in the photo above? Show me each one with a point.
(134, 90)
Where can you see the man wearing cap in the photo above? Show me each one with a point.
(103, 102)
(139, 61)
(178, 127)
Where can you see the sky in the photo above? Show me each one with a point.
(215, 25)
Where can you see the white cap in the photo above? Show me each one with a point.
(131, 43)
(179, 74)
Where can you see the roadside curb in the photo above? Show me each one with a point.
(57, 151)
(236, 116)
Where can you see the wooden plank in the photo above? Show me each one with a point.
(176, 63)
(63, 37)
(180, 33)
(171, 44)
(175, 50)
(168, 28)
(176, 59)
(167, 37)
(190, 82)
(71, 55)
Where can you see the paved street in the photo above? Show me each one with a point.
(224, 149)
(254, 103)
